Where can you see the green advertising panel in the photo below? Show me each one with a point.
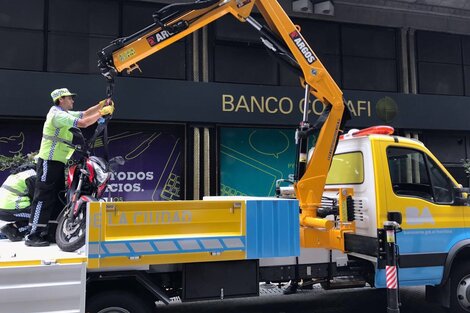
(252, 159)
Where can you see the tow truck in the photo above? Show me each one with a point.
(141, 253)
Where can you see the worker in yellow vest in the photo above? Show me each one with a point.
(16, 195)
(54, 152)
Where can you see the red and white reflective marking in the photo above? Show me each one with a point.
(391, 277)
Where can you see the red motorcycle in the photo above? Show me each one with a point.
(86, 181)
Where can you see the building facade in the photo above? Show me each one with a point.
(213, 114)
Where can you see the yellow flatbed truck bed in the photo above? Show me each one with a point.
(131, 241)
(175, 232)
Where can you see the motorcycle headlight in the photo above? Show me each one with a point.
(101, 175)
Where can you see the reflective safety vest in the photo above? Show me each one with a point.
(14, 192)
(56, 133)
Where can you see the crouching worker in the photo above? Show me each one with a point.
(16, 196)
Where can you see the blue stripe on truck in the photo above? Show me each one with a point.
(431, 242)
(133, 248)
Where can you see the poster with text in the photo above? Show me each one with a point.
(153, 157)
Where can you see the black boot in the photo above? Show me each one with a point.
(11, 232)
(292, 288)
(52, 227)
(37, 240)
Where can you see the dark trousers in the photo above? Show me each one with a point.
(15, 215)
(50, 183)
(19, 217)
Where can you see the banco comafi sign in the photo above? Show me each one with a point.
(183, 101)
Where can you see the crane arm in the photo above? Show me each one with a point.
(281, 37)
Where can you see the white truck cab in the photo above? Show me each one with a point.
(396, 177)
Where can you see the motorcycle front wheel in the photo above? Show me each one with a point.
(71, 232)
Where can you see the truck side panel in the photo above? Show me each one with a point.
(148, 233)
(43, 288)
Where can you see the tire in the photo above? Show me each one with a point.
(460, 288)
(118, 302)
(62, 238)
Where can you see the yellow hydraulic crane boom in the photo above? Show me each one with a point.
(281, 37)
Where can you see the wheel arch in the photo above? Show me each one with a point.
(458, 251)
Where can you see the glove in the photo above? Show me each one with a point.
(105, 102)
(109, 109)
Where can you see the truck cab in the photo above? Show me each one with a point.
(398, 178)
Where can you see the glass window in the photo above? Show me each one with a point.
(439, 78)
(446, 148)
(156, 65)
(27, 14)
(467, 80)
(248, 65)
(416, 175)
(369, 74)
(368, 42)
(369, 58)
(438, 47)
(322, 37)
(466, 49)
(230, 29)
(346, 168)
(86, 17)
(288, 77)
(408, 173)
(21, 49)
(441, 185)
(441, 63)
(74, 54)
(239, 55)
(136, 16)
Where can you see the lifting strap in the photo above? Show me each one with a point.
(57, 139)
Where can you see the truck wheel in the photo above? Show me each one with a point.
(118, 302)
(460, 289)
